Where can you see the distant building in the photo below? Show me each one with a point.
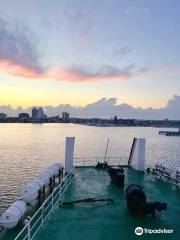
(3, 115)
(65, 117)
(115, 119)
(38, 114)
(24, 116)
(54, 119)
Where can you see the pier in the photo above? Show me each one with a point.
(170, 133)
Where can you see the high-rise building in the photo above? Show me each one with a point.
(65, 117)
(38, 114)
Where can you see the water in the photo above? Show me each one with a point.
(26, 149)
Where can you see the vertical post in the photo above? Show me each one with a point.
(60, 175)
(132, 151)
(44, 192)
(106, 150)
(29, 230)
(60, 194)
(42, 217)
(69, 152)
(54, 181)
(141, 154)
(137, 160)
(52, 203)
(59, 191)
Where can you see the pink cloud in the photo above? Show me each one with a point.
(74, 75)
(12, 69)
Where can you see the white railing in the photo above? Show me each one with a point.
(92, 161)
(40, 218)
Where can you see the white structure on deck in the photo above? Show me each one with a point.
(137, 156)
(30, 191)
(11, 217)
(69, 154)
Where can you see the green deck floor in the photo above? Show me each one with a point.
(101, 221)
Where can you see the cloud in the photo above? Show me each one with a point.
(11, 68)
(19, 57)
(18, 51)
(92, 74)
(163, 70)
(74, 75)
(107, 108)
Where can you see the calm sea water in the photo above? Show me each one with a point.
(26, 149)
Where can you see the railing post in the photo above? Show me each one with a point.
(29, 230)
(52, 203)
(71, 177)
(60, 190)
(42, 217)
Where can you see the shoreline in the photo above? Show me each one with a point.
(140, 123)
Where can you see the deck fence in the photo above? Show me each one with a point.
(92, 161)
(40, 218)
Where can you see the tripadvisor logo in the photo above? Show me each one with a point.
(139, 231)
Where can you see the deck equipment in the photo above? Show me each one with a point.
(88, 200)
(33, 189)
(117, 175)
(137, 203)
(11, 217)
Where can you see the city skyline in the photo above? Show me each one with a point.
(79, 52)
(106, 108)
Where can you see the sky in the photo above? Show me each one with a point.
(81, 52)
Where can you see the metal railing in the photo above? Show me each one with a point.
(92, 161)
(39, 219)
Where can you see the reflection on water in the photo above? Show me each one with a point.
(25, 149)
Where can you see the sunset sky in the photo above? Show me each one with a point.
(76, 52)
